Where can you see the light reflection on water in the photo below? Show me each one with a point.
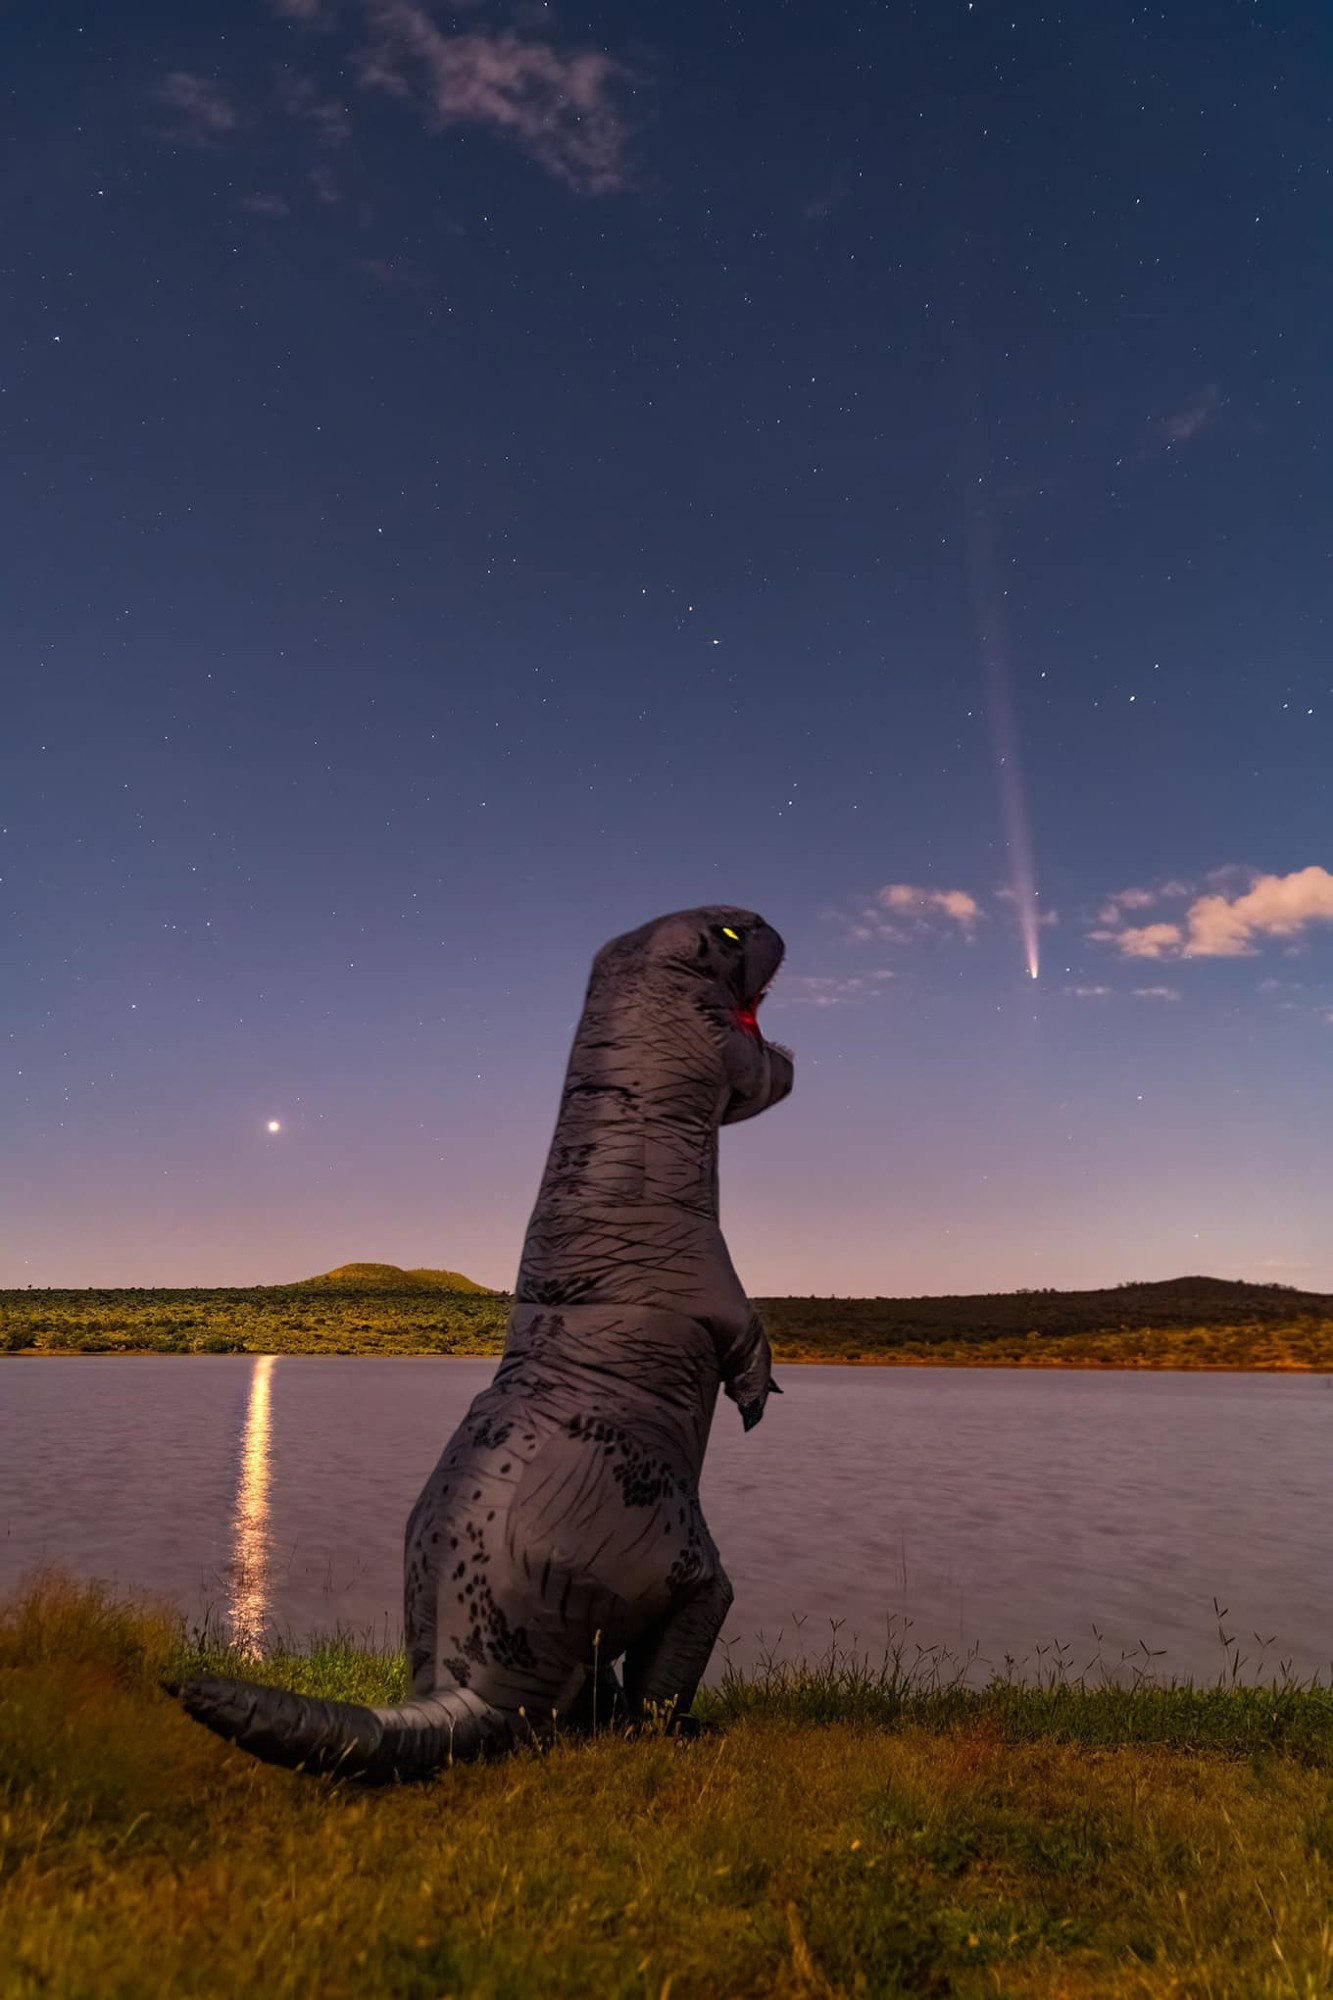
(250, 1578)
(993, 1507)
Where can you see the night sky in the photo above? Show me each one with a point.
(475, 479)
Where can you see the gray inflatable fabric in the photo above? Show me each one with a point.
(561, 1529)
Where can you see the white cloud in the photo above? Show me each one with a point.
(906, 900)
(1143, 940)
(1155, 992)
(1141, 898)
(1128, 899)
(1274, 906)
(902, 911)
(1087, 992)
(1222, 924)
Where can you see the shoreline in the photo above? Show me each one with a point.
(1190, 1324)
(1008, 1366)
(835, 1829)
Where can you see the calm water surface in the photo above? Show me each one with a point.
(981, 1508)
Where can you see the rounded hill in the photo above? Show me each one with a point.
(393, 1278)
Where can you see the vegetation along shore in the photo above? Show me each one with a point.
(379, 1309)
(837, 1830)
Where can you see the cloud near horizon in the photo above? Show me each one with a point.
(809, 990)
(1110, 992)
(1220, 925)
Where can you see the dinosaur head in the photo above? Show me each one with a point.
(711, 966)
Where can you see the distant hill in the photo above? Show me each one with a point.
(393, 1278)
(980, 1316)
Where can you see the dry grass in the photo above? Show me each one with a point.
(1192, 1323)
(1294, 1346)
(942, 1844)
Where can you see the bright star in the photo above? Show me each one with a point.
(274, 1125)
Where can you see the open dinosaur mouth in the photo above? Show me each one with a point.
(746, 1013)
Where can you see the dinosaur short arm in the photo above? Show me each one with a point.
(746, 1365)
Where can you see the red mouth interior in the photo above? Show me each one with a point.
(745, 1015)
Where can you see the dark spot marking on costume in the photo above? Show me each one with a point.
(491, 1434)
(492, 1637)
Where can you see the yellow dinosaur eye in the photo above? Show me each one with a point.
(728, 932)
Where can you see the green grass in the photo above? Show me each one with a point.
(1186, 1323)
(394, 1278)
(841, 1829)
(323, 1317)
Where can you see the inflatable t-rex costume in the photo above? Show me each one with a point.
(561, 1528)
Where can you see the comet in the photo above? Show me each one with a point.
(1002, 710)
(991, 628)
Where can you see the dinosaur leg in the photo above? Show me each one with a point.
(668, 1662)
(600, 1703)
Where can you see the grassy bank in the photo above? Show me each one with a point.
(837, 1832)
(1186, 1323)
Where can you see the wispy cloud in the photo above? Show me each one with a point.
(1111, 992)
(1223, 924)
(901, 911)
(830, 991)
(201, 111)
(329, 121)
(908, 901)
(1143, 940)
(1047, 919)
(266, 204)
(395, 274)
(1193, 417)
(560, 106)
(1113, 909)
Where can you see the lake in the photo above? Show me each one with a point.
(995, 1510)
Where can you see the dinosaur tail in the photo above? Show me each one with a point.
(374, 1745)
